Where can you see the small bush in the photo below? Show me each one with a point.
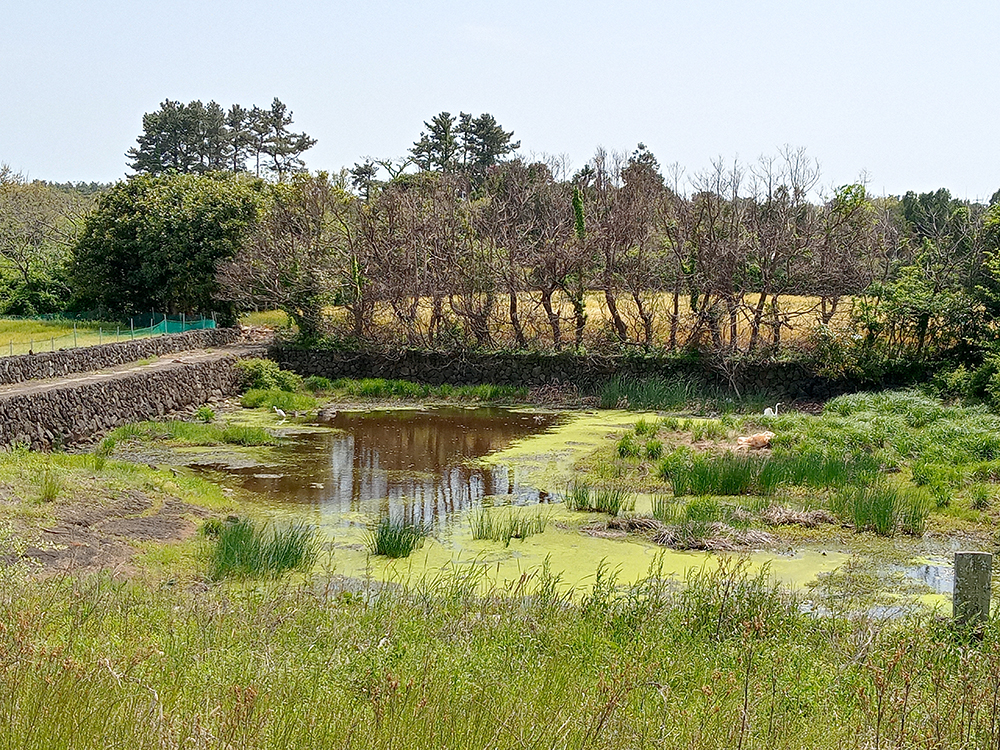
(654, 450)
(50, 484)
(265, 374)
(205, 414)
(395, 538)
(101, 453)
(315, 383)
(244, 548)
(642, 427)
(981, 496)
(627, 447)
(883, 508)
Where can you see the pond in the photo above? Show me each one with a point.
(437, 465)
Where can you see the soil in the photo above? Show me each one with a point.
(88, 538)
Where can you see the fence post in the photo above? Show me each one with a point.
(52, 343)
(131, 322)
(100, 335)
(971, 599)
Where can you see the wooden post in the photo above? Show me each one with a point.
(971, 600)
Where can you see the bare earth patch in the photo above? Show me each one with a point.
(89, 537)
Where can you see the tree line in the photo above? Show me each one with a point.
(463, 242)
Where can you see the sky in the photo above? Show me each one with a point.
(902, 95)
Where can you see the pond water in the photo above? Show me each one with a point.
(410, 465)
(435, 465)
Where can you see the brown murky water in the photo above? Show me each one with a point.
(416, 465)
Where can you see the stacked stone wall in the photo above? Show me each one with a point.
(44, 416)
(24, 367)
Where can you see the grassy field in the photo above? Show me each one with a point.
(800, 315)
(23, 336)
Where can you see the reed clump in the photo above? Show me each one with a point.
(245, 548)
(395, 539)
(504, 525)
(611, 499)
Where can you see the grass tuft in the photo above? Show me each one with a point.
(244, 548)
(395, 538)
(602, 499)
(505, 525)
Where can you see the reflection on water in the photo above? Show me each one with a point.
(407, 464)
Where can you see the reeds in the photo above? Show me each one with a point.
(611, 499)
(503, 525)
(729, 473)
(884, 508)
(395, 539)
(194, 433)
(408, 390)
(245, 548)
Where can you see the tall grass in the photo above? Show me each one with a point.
(648, 393)
(393, 538)
(503, 525)
(611, 499)
(271, 398)
(192, 433)
(691, 473)
(245, 548)
(725, 659)
(409, 390)
(884, 508)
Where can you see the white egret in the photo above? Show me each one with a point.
(769, 412)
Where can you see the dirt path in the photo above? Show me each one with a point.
(169, 361)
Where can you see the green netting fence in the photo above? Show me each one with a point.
(45, 333)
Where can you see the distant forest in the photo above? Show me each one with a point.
(463, 242)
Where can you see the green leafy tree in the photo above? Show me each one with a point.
(154, 242)
(466, 144)
(38, 224)
(438, 147)
(197, 138)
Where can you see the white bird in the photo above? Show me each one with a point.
(278, 411)
(769, 412)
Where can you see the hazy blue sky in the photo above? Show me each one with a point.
(906, 92)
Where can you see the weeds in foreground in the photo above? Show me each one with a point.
(245, 548)
(613, 499)
(395, 538)
(722, 656)
(503, 525)
(205, 414)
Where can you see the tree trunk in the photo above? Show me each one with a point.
(553, 317)
(515, 321)
(616, 320)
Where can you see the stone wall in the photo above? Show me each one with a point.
(45, 415)
(783, 379)
(22, 367)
